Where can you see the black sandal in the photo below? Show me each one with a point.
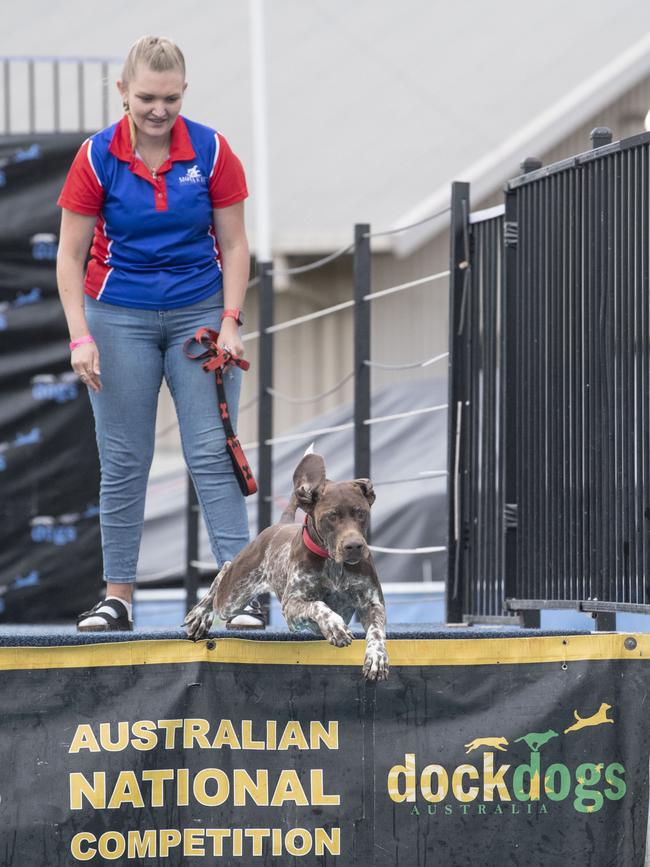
(112, 614)
(254, 611)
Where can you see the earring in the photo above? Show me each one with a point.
(125, 106)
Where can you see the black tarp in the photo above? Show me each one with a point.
(50, 554)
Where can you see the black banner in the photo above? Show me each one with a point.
(50, 554)
(522, 751)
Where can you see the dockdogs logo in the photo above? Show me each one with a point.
(484, 787)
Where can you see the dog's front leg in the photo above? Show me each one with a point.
(301, 613)
(372, 615)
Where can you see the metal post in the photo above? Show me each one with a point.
(600, 136)
(458, 289)
(104, 74)
(265, 404)
(530, 618)
(192, 546)
(81, 96)
(514, 454)
(530, 164)
(361, 280)
(31, 91)
(7, 90)
(56, 95)
(510, 384)
(605, 621)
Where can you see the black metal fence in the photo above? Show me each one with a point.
(55, 93)
(476, 424)
(553, 441)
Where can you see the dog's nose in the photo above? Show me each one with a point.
(352, 550)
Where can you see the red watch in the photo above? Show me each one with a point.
(234, 313)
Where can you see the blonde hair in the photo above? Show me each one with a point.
(156, 53)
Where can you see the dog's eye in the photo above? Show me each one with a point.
(332, 516)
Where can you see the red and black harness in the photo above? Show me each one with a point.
(217, 359)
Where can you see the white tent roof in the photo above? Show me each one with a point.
(374, 106)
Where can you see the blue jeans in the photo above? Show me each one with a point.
(136, 349)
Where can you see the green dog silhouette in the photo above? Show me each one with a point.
(535, 740)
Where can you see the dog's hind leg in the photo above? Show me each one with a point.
(199, 620)
(237, 590)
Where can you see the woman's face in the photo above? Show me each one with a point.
(154, 99)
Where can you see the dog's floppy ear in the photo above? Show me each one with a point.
(308, 479)
(367, 489)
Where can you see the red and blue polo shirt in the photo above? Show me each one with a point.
(154, 244)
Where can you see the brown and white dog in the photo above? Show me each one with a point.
(322, 572)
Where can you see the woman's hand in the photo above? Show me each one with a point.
(230, 338)
(85, 363)
(235, 265)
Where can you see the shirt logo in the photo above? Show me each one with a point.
(192, 176)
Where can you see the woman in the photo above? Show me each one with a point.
(161, 200)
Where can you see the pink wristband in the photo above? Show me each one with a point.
(87, 338)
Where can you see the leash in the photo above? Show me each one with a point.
(309, 542)
(216, 359)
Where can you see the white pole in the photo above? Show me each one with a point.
(260, 134)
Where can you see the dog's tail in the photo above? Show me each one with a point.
(289, 514)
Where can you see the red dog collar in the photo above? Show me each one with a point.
(309, 542)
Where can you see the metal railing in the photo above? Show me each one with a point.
(560, 493)
(44, 93)
(476, 586)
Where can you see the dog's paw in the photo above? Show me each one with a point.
(375, 665)
(199, 620)
(336, 632)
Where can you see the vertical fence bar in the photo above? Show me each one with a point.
(525, 343)
(644, 483)
(81, 96)
(544, 562)
(644, 494)
(472, 529)
(7, 95)
(622, 383)
(639, 337)
(458, 347)
(556, 410)
(511, 361)
(31, 95)
(572, 366)
(362, 280)
(191, 546)
(614, 282)
(265, 403)
(104, 83)
(56, 95)
(628, 281)
(605, 620)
